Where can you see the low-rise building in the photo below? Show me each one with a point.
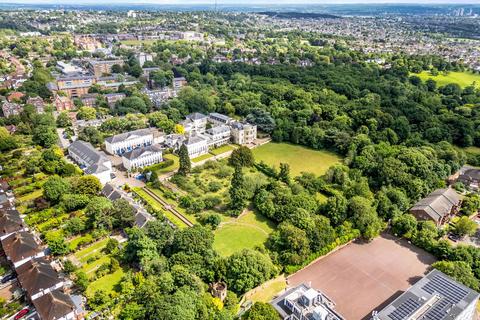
(142, 157)
(10, 222)
(68, 68)
(195, 123)
(197, 145)
(20, 247)
(37, 277)
(15, 96)
(55, 305)
(91, 161)
(75, 85)
(89, 100)
(470, 178)
(174, 141)
(435, 296)
(11, 109)
(101, 67)
(305, 303)
(438, 206)
(38, 103)
(179, 83)
(112, 98)
(63, 103)
(218, 136)
(243, 133)
(219, 119)
(128, 141)
(143, 57)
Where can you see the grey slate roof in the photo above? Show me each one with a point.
(194, 139)
(218, 130)
(196, 116)
(438, 203)
(138, 153)
(220, 117)
(90, 155)
(435, 297)
(128, 135)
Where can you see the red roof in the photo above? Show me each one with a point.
(15, 96)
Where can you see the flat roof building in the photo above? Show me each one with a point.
(435, 297)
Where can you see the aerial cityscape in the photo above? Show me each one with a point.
(221, 160)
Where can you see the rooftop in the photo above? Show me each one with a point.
(20, 245)
(54, 305)
(10, 221)
(128, 135)
(90, 155)
(196, 116)
(37, 275)
(435, 297)
(141, 152)
(439, 203)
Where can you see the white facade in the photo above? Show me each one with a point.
(91, 161)
(196, 146)
(243, 133)
(142, 157)
(218, 136)
(129, 141)
(195, 123)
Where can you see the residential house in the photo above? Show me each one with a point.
(87, 43)
(128, 141)
(218, 136)
(15, 96)
(55, 305)
(470, 178)
(38, 103)
(142, 157)
(219, 119)
(101, 67)
(305, 303)
(179, 83)
(37, 277)
(11, 109)
(10, 222)
(438, 206)
(112, 98)
(89, 100)
(20, 247)
(243, 132)
(63, 103)
(435, 296)
(91, 161)
(197, 145)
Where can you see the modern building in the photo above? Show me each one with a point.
(218, 136)
(75, 85)
(11, 109)
(305, 303)
(91, 161)
(37, 277)
(68, 68)
(197, 145)
(63, 103)
(20, 247)
(10, 222)
(142, 157)
(243, 133)
(101, 67)
(219, 119)
(128, 141)
(435, 297)
(438, 206)
(55, 305)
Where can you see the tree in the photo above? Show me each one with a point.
(45, 136)
(197, 239)
(63, 120)
(464, 226)
(184, 160)
(54, 188)
(238, 194)
(404, 225)
(291, 243)
(92, 135)
(87, 113)
(284, 174)
(122, 213)
(364, 217)
(81, 280)
(160, 120)
(261, 311)
(89, 185)
(241, 157)
(97, 213)
(74, 226)
(247, 269)
(7, 141)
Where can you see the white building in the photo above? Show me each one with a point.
(219, 119)
(128, 141)
(197, 145)
(195, 123)
(435, 296)
(218, 136)
(243, 133)
(144, 57)
(91, 161)
(68, 68)
(142, 157)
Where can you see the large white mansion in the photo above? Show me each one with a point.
(142, 157)
(128, 141)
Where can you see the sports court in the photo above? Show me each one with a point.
(362, 277)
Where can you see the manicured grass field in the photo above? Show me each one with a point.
(106, 283)
(246, 232)
(91, 250)
(267, 291)
(463, 79)
(300, 159)
(222, 149)
(202, 157)
(171, 168)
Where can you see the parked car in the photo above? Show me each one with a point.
(8, 277)
(453, 237)
(22, 313)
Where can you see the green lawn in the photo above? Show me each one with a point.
(174, 203)
(159, 207)
(222, 149)
(171, 168)
(463, 79)
(202, 157)
(267, 291)
(474, 150)
(300, 159)
(106, 283)
(246, 232)
(91, 250)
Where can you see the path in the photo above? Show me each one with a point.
(169, 207)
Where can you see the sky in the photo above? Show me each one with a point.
(238, 2)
